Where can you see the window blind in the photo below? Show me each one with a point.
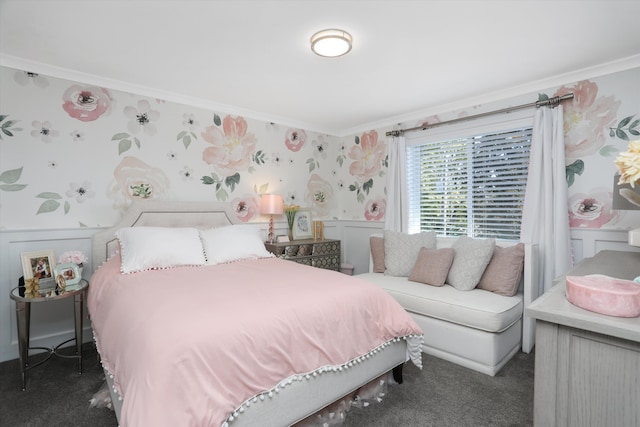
(469, 186)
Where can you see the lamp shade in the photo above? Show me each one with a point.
(271, 204)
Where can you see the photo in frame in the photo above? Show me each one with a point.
(67, 274)
(302, 225)
(318, 230)
(39, 264)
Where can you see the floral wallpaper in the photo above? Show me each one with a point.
(601, 120)
(75, 155)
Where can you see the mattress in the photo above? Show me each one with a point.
(194, 346)
(477, 308)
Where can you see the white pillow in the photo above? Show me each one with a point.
(232, 243)
(401, 250)
(471, 259)
(147, 248)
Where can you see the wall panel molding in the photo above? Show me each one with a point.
(51, 322)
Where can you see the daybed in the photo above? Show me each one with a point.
(475, 328)
(197, 325)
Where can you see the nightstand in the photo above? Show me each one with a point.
(23, 316)
(316, 253)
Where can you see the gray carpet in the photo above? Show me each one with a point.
(445, 394)
(442, 394)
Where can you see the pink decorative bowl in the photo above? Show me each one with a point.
(604, 294)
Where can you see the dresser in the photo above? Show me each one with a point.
(316, 253)
(587, 365)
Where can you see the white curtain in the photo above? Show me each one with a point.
(545, 218)
(396, 216)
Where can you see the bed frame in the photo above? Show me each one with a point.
(298, 400)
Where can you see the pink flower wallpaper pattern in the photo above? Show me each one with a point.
(78, 155)
(86, 103)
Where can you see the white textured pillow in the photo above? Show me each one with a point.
(148, 248)
(471, 259)
(232, 243)
(401, 250)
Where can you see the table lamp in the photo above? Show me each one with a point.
(271, 204)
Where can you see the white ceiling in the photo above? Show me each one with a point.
(409, 58)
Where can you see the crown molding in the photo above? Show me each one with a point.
(150, 92)
(504, 94)
(622, 64)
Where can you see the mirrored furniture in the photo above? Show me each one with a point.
(317, 253)
(23, 317)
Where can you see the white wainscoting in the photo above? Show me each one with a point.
(588, 242)
(52, 322)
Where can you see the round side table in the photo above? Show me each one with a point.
(23, 315)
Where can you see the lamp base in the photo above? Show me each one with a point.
(271, 236)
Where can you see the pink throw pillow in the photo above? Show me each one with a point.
(377, 253)
(432, 266)
(504, 271)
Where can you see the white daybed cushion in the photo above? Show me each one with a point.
(476, 308)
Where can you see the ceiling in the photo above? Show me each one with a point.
(409, 58)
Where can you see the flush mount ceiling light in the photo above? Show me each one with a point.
(331, 43)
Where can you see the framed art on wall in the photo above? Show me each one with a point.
(302, 225)
(39, 264)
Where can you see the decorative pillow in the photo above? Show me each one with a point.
(401, 250)
(147, 248)
(471, 259)
(233, 243)
(504, 272)
(377, 253)
(432, 266)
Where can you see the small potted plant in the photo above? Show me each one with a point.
(290, 211)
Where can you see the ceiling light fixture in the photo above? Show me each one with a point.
(331, 43)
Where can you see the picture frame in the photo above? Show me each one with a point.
(67, 274)
(318, 230)
(625, 197)
(39, 264)
(302, 225)
(282, 238)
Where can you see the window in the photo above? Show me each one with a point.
(471, 185)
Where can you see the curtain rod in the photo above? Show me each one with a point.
(551, 101)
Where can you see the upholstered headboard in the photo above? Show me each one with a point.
(161, 214)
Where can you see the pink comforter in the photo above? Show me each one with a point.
(188, 345)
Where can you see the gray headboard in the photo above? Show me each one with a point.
(161, 214)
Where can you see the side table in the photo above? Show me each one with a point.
(587, 367)
(316, 253)
(23, 316)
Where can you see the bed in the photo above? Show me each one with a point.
(251, 340)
